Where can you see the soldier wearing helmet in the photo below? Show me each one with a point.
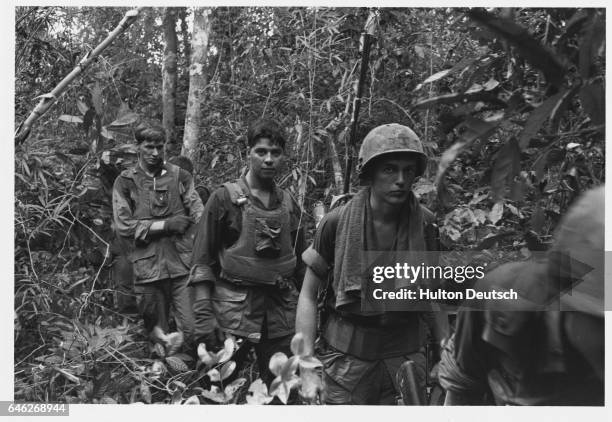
(363, 349)
(554, 357)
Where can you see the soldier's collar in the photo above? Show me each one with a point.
(138, 168)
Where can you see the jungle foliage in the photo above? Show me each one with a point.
(510, 104)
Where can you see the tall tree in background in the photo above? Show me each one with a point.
(169, 77)
(197, 81)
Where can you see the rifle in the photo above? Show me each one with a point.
(408, 384)
(48, 99)
(367, 38)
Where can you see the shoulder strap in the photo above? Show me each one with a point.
(287, 200)
(236, 192)
(127, 173)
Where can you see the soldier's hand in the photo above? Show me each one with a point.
(178, 224)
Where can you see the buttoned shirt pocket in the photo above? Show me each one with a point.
(230, 305)
(160, 201)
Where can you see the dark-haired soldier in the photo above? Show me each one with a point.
(554, 357)
(156, 205)
(245, 267)
(362, 350)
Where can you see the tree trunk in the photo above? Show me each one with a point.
(185, 33)
(197, 82)
(169, 77)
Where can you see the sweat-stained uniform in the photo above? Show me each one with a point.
(362, 353)
(161, 261)
(254, 292)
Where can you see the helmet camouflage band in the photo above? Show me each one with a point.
(390, 138)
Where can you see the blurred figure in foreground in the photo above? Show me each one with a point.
(524, 357)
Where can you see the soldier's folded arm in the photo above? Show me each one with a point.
(142, 230)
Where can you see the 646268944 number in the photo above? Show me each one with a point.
(39, 409)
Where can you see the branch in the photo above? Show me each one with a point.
(47, 100)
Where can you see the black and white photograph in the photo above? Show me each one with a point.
(308, 206)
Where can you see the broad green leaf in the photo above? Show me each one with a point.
(437, 76)
(145, 392)
(591, 44)
(227, 369)
(423, 187)
(480, 216)
(70, 119)
(540, 165)
(289, 367)
(107, 133)
(192, 400)
(225, 354)
(491, 84)
(158, 368)
(82, 107)
(159, 350)
(496, 212)
(473, 129)
(277, 362)
(209, 359)
(309, 362)
(215, 394)
(214, 375)
(282, 388)
(177, 396)
(231, 389)
(514, 210)
(527, 45)
(259, 393)
(176, 364)
(420, 51)
(507, 166)
(125, 120)
(537, 219)
(214, 161)
(560, 108)
(537, 119)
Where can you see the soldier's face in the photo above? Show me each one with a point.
(151, 154)
(392, 177)
(265, 159)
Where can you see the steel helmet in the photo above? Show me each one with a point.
(388, 139)
(577, 254)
